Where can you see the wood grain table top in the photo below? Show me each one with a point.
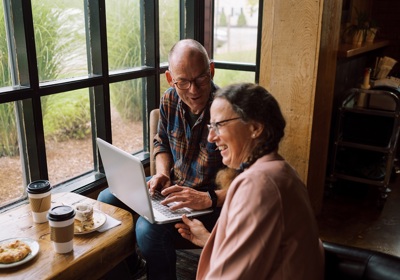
(94, 253)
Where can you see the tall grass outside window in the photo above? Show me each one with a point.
(75, 70)
(68, 131)
(9, 156)
(60, 39)
(127, 115)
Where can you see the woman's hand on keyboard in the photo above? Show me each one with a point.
(185, 197)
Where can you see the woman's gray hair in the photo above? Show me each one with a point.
(252, 102)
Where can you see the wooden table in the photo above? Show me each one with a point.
(94, 253)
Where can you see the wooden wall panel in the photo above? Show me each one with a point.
(289, 57)
(298, 66)
(324, 98)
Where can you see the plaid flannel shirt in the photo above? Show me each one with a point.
(196, 161)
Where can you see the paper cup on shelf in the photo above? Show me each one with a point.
(39, 195)
(61, 222)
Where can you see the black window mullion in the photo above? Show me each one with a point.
(235, 66)
(198, 18)
(190, 20)
(29, 111)
(96, 37)
(259, 36)
(150, 58)
(96, 44)
(35, 156)
(208, 26)
(182, 20)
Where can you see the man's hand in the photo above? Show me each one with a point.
(193, 230)
(185, 197)
(158, 182)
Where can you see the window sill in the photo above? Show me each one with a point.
(86, 184)
(93, 181)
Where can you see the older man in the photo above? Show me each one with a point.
(186, 162)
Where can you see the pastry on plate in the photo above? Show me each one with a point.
(13, 251)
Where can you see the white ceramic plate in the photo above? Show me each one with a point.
(33, 244)
(99, 219)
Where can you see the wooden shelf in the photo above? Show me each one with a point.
(349, 50)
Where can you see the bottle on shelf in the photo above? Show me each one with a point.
(362, 97)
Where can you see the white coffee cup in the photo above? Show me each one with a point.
(61, 221)
(39, 195)
(84, 212)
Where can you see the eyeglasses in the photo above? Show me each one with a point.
(215, 125)
(199, 81)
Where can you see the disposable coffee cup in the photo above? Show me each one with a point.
(39, 194)
(84, 212)
(61, 221)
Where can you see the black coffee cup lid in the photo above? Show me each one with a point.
(61, 213)
(39, 186)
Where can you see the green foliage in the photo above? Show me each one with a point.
(127, 98)
(241, 19)
(49, 46)
(63, 117)
(163, 84)
(253, 6)
(46, 25)
(169, 26)
(223, 21)
(5, 76)
(8, 132)
(123, 33)
(361, 26)
(67, 116)
(124, 51)
(57, 35)
(238, 56)
(226, 77)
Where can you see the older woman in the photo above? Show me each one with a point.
(267, 228)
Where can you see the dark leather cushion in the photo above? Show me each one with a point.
(345, 263)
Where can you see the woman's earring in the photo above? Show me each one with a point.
(254, 135)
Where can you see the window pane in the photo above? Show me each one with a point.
(123, 34)
(164, 85)
(127, 115)
(67, 130)
(169, 26)
(225, 77)
(11, 184)
(60, 39)
(235, 30)
(5, 76)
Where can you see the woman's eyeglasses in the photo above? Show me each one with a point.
(215, 125)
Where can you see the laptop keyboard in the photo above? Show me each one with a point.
(156, 199)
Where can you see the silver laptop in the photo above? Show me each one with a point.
(127, 181)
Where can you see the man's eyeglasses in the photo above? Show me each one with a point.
(199, 81)
(215, 125)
